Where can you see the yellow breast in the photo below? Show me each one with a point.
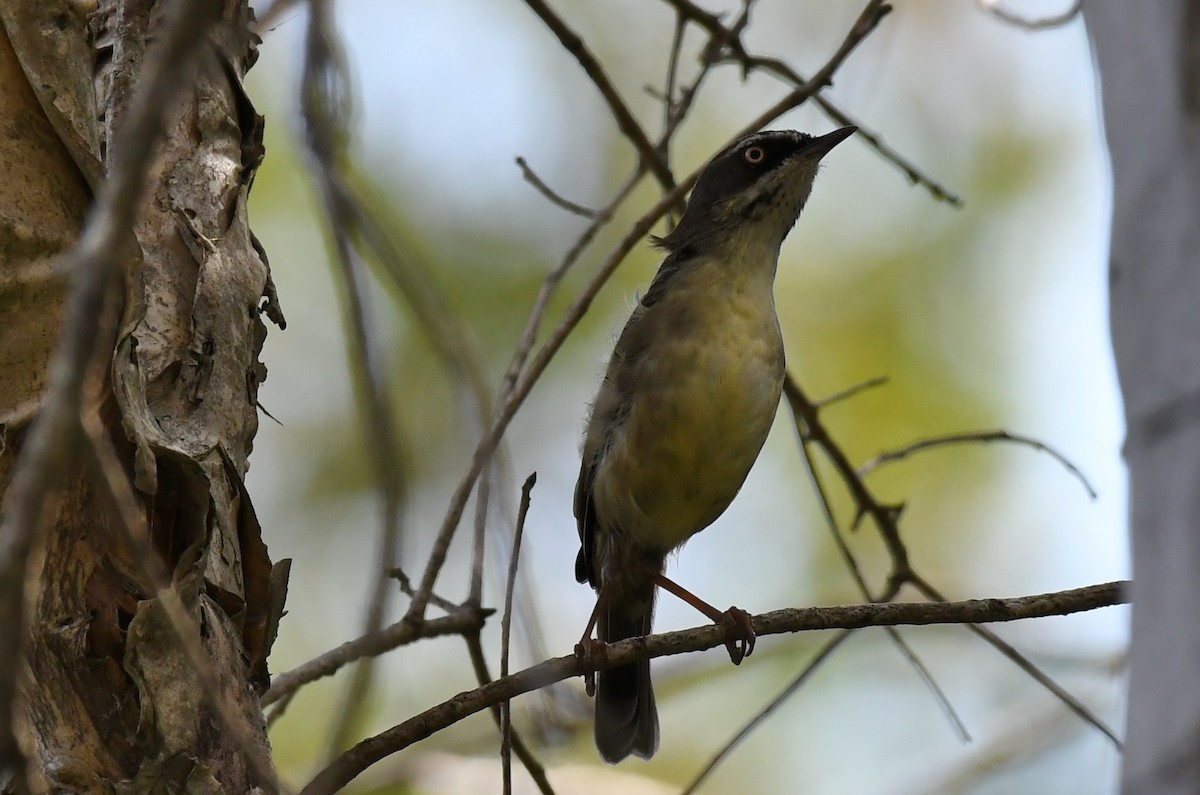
(704, 391)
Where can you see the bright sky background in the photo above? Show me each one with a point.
(989, 316)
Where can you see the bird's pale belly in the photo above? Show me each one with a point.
(698, 435)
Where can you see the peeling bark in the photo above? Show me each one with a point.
(108, 701)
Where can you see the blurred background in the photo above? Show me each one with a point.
(992, 315)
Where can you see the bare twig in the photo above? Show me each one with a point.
(506, 632)
(668, 96)
(885, 518)
(736, 52)
(856, 572)
(875, 140)
(323, 99)
(535, 769)
(970, 437)
(401, 633)
(1027, 666)
(93, 265)
(627, 124)
(346, 767)
(821, 656)
(407, 589)
(479, 541)
(851, 391)
(1043, 23)
(883, 515)
(533, 179)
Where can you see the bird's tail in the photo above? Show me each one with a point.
(626, 718)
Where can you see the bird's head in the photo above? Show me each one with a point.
(756, 187)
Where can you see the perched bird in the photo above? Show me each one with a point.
(689, 395)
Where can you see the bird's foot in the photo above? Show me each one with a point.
(739, 634)
(588, 653)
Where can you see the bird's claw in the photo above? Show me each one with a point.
(739, 634)
(588, 653)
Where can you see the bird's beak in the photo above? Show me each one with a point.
(819, 147)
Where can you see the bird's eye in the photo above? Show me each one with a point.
(755, 155)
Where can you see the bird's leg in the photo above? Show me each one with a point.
(739, 626)
(588, 649)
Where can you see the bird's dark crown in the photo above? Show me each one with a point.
(760, 172)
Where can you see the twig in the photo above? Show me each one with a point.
(851, 391)
(626, 123)
(873, 139)
(535, 769)
(669, 85)
(93, 266)
(830, 646)
(506, 633)
(322, 99)
(1027, 666)
(856, 572)
(885, 519)
(533, 179)
(406, 588)
(975, 436)
(483, 451)
(737, 53)
(1043, 23)
(354, 761)
(883, 515)
(479, 542)
(391, 637)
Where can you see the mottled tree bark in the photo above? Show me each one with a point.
(107, 701)
(1149, 60)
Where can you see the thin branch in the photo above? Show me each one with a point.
(883, 515)
(851, 391)
(830, 646)
(875, 140)
(1027, 666)
(672, 75)
(1025, 23)
(93, 265)
(737, 53)
(885, 519)
(506, 633)
(856, 572)
(535, 768)
(323, 99)
(354, 761)
(626, 123)
(971, 437)
(479, 542)
(401, 633)
(406, 588)
(533, 179)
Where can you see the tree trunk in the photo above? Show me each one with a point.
(1149, 60)
(108, 701)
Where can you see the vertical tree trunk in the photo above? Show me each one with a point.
(108, 701)
(1149, 60)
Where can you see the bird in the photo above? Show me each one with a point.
(688, 397)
